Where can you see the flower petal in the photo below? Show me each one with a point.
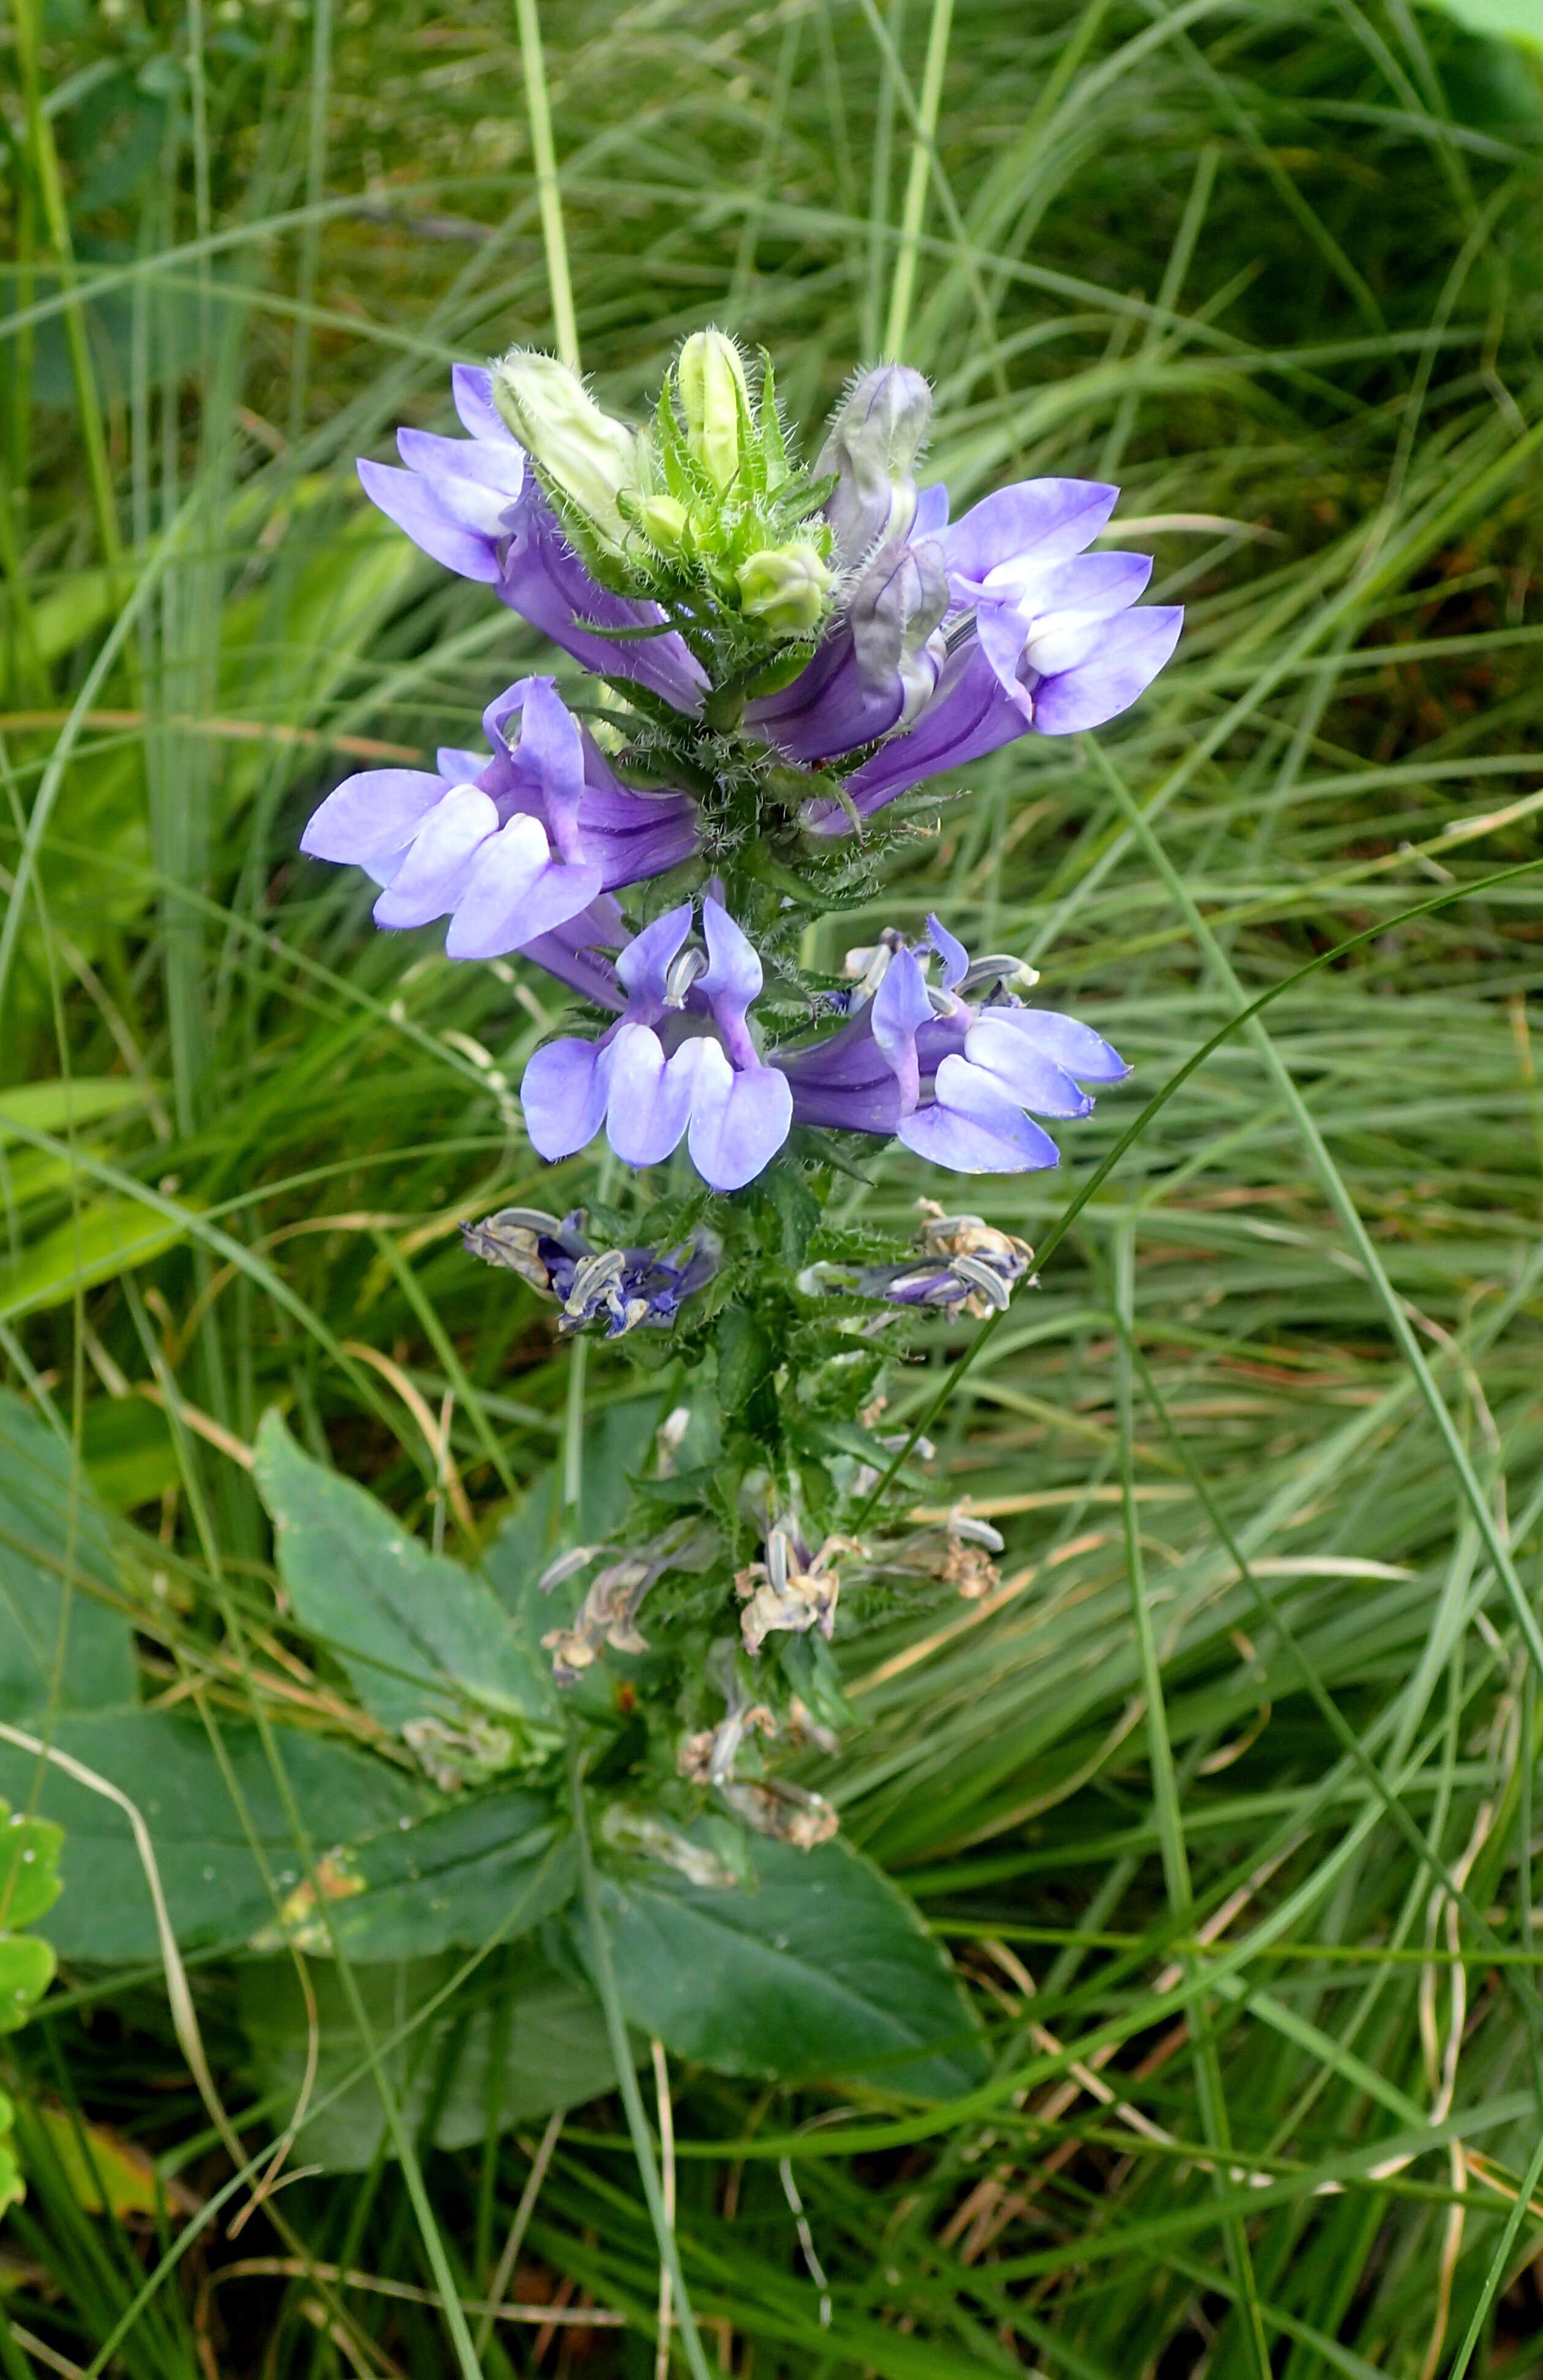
(1031, 1078)
(976, 1127)
(931, 512)
(471, 386)
(969, 717)
(371, 816)
(415, 506)
(433, 875)
(575, 953)
(829, 707)
(956, 958)
(649, 1100)
(564, 1093)
(1074, 1047)
(733, 973)
(1130, 651)
(645, 964)
(900, 1009)
(738, 1120)
(516, 891)
(1001, 630)
(1047, 518)
(477, 461)
(550, 745)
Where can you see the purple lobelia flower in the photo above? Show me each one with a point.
(679, 1061)
(631, 1287)
(949, 1068)
(957, 638)
(475, 506)
(1042, 638)
(510, 848)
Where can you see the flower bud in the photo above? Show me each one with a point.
(583, 452)
(662, 522)
(870, 446)
(785, 588)
(711, 378)
(897, 607)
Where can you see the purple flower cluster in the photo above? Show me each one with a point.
(679, 1063)
(948, 640)
(949, 1068)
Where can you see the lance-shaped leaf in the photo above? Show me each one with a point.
(425, 1642)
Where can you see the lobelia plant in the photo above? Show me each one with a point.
(777, 656)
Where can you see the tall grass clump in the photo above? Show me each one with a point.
(1223, 1799)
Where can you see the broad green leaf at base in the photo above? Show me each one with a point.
(821, 1970)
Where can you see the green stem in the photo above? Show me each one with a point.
(310, 238)
(45, 165)
(549, 196)
(573, 1433)
(902, 289)
(632, 2100)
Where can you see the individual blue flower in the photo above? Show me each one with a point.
(508, 848)
(680, 1061)
(472, 504)
(959, 637)
(631, 1287)
(955, 1069)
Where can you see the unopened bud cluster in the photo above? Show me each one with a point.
(700, 509)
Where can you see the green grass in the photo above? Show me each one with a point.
(1239, 1770)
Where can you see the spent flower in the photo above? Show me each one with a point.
(630, 1287)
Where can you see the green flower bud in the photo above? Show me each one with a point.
(785, 588)
(710, 375)
(582, 451)
(662, 522)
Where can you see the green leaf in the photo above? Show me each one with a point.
(59, 1107)
(402, 1867)
(524, 2040)
(29, 1868)
(12, 2187)
(744, 1357)
(167, 1766)
(494, 1863)
(58, 1643)
(29, 1886)
(1520, 20)
(425, 1642)
(822, 1969)
(109, 1237)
